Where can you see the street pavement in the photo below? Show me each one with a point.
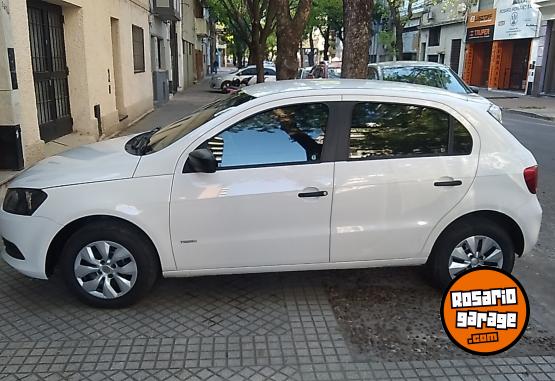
(329, 325)
(518, 103)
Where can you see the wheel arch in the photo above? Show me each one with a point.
(57, 244)
(499, 218)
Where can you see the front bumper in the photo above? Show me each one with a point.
(215, 83)
(32, 236)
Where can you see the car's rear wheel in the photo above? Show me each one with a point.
(469, 244)
(109, 265)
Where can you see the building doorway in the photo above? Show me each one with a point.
(519, 64)
(117, 65)
(480, 63)
(50, 72)
(549, 82)
(455, 55)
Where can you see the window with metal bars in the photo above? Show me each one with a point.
(138, 49)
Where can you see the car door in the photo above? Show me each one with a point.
(269, 201)
(404, 167)
(246, 73)
(269, 74)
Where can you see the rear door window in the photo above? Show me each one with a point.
(388, 131)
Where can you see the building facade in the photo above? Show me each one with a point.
(71, 66)
(165, 50)
(502, 46)
(545, 69)
(442, 30)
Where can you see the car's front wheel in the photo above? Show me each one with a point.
(225, 86)
(469, 244)
(109, 265)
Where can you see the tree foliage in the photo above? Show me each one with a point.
(327, 17)
(251, 22)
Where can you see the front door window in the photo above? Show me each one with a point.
(281, 136)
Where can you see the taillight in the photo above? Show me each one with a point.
(531, 178)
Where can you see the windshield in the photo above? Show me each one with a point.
(442, 78)
(175, 131)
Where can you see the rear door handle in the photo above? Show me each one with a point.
(313, 194)
(450, 183)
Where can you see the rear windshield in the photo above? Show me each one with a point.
(175, 131)
(442, 78)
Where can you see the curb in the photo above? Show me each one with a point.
(530, 114)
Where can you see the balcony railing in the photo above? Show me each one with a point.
(201, 27)
(168, 10)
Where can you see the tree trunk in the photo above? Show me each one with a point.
(301, 53)
(326, 44)
(286, 60)
(399, 41)
(251, 60)
(289, 35)
(258, 60)
(356, 18)
(311, 56)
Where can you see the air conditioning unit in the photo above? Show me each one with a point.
(431, 15)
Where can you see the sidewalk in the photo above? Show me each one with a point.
(181, 105)
(536, 107)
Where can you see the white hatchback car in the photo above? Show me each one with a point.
(224, 80)
(294, 175)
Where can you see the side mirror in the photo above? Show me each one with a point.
(201, 160)
(474, 89)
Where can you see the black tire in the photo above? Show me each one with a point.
(225, 85)
(438, 262)
(142, 250)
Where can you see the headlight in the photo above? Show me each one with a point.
(23, 201)
(495, 111)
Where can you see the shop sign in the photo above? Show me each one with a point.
(481, 18)
(480, 34)
(516, 19)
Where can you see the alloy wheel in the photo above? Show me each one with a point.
(473, 252)
(105, 269)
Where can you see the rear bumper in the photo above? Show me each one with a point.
(32, 236)
(530, 219)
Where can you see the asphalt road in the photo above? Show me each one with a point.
(537, 270)
(392, 313)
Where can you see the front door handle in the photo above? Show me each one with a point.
(313, 194)
(449, 183)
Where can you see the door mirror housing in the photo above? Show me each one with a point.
(201, 160)
(474, 89)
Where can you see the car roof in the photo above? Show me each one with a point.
(342, 86)
(265, 66)
(408, 63)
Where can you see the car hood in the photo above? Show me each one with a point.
(101, 161)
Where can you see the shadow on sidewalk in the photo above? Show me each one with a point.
(181, 105)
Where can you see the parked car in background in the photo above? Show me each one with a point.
(304, 72)
(334, 69)
(420, 73)
(223, 81)
(428, 74)
(293, 175)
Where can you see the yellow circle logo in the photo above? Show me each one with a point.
(485, 311)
